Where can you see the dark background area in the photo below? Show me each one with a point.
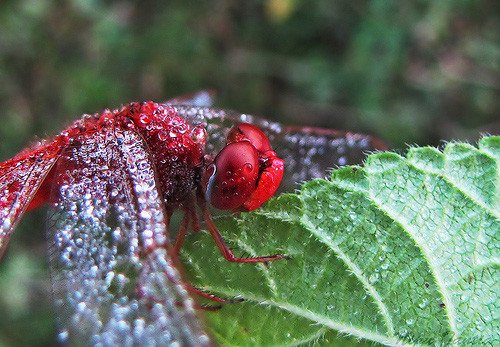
(411, 72)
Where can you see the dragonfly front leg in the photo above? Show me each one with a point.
(191, 218)
(227, 253)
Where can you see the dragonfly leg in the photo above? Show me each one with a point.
(210, 308)
(195, 226)
(209, 296)
(141, 292)
(181, 234)
(193, 290)
(196, 305)
(227, 253)
(190, 217)
(204, 307)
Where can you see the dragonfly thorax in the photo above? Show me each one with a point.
(177, 148)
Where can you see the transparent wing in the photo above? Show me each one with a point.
(311, 152)
(201, 98)
(308, 152)
(114, 280)
(20, 178)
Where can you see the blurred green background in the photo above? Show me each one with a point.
(411, 72)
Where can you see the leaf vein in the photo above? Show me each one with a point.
(356, 271)
(340, 327)
(450, 181)
(450, 307)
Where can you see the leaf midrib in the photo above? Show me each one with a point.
(310, 315)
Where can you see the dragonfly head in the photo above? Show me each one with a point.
(246, 172)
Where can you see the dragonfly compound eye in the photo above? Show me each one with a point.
(232, 178)
(246, 173)
(249, 132)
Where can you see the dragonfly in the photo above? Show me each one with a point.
(113, 181)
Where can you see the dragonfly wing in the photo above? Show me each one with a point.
(201, 98)
(308, 152)
(20, 178)
(311, 152)
(114, 284)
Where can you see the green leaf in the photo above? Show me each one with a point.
(402, 251)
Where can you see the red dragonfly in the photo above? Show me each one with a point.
(113, 181)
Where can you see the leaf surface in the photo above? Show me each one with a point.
(402, 251)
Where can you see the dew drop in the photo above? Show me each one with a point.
(479, 325)
(63, 336)
(171, 111)
(146, 214)
(144, 119)
(162, 136)
(198, 135)
(386, 248)
(424, 303)
(182, 129)
(373, 278)
(248, 167)
(81, 306)
(203, 339)
(6, 223)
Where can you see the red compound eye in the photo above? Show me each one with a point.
(232, 178)
(269, 181)
(246, 173)
(249, 132)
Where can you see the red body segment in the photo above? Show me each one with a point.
(176, 147)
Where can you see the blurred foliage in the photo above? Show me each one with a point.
(408, 71)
